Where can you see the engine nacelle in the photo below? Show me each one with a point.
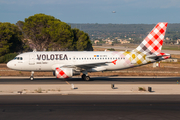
(65, 72)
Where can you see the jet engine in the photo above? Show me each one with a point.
(65, 72)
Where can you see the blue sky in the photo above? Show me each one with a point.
(94, 11)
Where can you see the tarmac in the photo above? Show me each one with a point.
(88, 89)
(90, 107)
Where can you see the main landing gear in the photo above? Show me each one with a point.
(32, 76)
(84, 77)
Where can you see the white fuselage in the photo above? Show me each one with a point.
(48, 61)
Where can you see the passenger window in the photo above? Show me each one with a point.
(21, 58)
(17, 58)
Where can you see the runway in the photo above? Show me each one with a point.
(94, 80)
(90, 107)
(128, 106)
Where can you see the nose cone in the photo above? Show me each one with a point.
(9, 64)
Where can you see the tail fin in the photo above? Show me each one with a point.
(152, 44)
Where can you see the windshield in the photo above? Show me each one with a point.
(18, 58)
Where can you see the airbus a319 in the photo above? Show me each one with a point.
(66, 64)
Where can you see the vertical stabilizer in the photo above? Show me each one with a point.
(152, 44)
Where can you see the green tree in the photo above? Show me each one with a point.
(81, 40)
(35, 28)
(61, 36)
(47, 32)
(20, 25)
(50, 33)
(10, 39)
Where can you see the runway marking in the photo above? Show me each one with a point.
(67, 82)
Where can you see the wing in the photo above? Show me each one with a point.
(86, 65)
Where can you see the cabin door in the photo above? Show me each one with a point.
(32, 59)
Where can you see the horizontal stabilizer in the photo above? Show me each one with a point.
(161, 56)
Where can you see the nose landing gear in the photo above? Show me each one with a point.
(32, 76)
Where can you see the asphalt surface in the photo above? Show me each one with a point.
(90, 107)
(94, 80)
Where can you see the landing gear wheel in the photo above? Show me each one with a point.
(31, 78)
(87, 78)
(83, 76)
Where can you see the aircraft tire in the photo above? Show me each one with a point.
(83, 76)
(31, 78)
(87, 78)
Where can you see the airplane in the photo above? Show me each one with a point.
(66, 64)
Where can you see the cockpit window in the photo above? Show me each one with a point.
(18, 58)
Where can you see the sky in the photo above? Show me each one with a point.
(94, 11)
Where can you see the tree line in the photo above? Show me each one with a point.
(41, 32)
(136, 31)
